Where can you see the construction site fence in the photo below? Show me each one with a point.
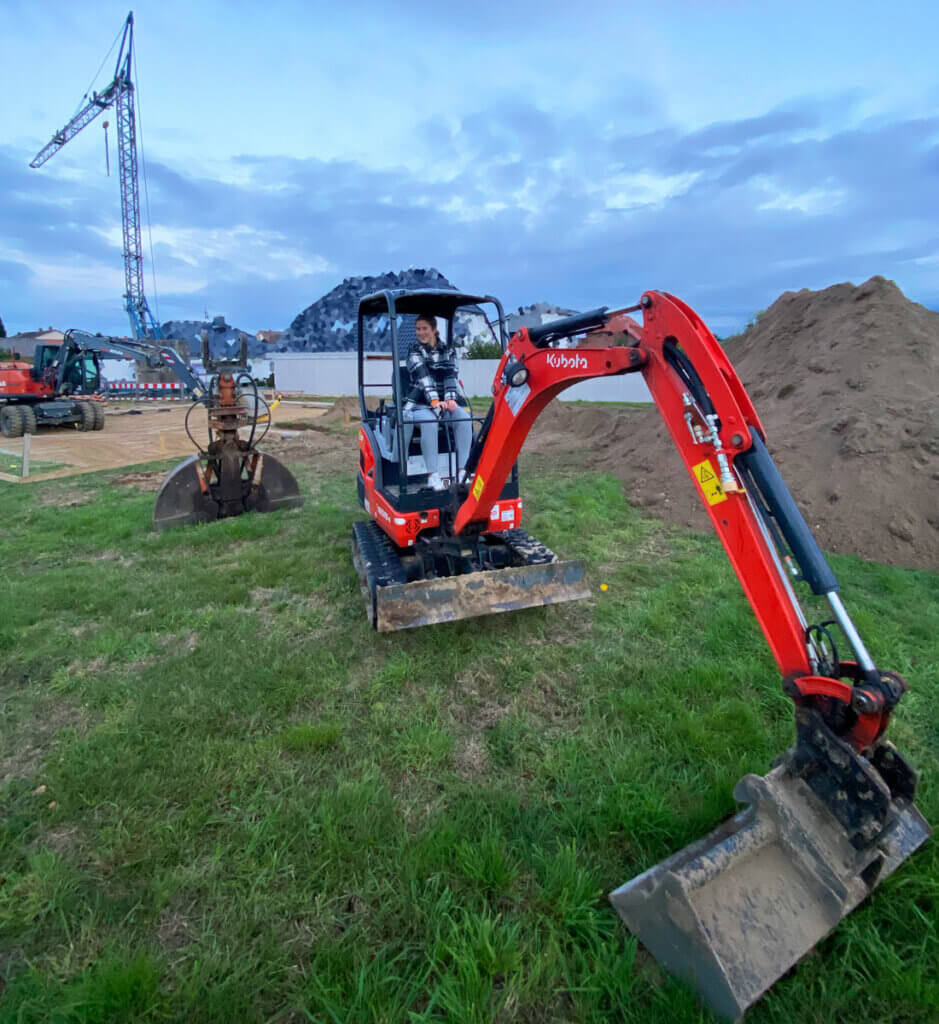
(151, 391)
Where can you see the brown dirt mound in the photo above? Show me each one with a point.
(346, 410)
(845, 381)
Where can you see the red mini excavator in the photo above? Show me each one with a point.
(733, 912)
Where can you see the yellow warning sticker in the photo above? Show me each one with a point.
(478, 487)
(710, 482)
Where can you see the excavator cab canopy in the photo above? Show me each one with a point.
(396, 311)
(81, 374)
(442, 302)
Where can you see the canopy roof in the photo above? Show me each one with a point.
(433, 301)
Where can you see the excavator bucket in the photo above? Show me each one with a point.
(181, 500)
(274, 486)
(393, 603)
(731, 913)
(190, 493)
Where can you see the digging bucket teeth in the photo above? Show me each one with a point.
(731, 913)
(185, 497)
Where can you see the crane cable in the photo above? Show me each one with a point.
(98, 72)
(146, 189)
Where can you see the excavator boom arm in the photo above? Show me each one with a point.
(152, 355)
(732, 912)
(721, 441)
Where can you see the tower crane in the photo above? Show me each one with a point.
(120, 94)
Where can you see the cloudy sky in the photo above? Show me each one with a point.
(722, 150)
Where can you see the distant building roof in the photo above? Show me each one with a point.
(25, 343)
(49, 334)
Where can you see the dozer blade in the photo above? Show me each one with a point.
(425, 602)
(180, 500)
(731, 913)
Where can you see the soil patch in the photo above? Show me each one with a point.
(141, 481)
(174, 929)
(65, 498)
(302, 425)
(845, 383)
(344, 410)
(36, 736)
(347, 410)
(330, 452)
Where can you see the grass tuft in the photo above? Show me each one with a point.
(310, 737)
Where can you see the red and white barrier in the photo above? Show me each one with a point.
(147, 391)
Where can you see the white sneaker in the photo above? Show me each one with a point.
(434, 482)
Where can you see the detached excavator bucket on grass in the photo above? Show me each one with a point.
(392, 602)
(733, 912)
(231, 475)
(197, 490)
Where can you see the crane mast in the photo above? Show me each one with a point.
(120, 94)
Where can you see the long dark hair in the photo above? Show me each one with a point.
(431, 321)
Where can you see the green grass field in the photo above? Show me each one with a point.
(224, 798)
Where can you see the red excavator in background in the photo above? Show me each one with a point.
(733, 912)
(227, 477)
(60, 387)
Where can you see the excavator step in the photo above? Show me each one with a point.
(538, 578)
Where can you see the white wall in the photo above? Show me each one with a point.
(260, 367)
(335, 373)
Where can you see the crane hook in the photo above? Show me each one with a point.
(107, 155)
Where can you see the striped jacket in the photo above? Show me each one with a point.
(434, 374)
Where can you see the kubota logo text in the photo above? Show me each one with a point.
(565, 362)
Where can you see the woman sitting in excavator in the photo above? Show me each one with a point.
(435, 395)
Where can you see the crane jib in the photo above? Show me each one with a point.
(119, 93)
